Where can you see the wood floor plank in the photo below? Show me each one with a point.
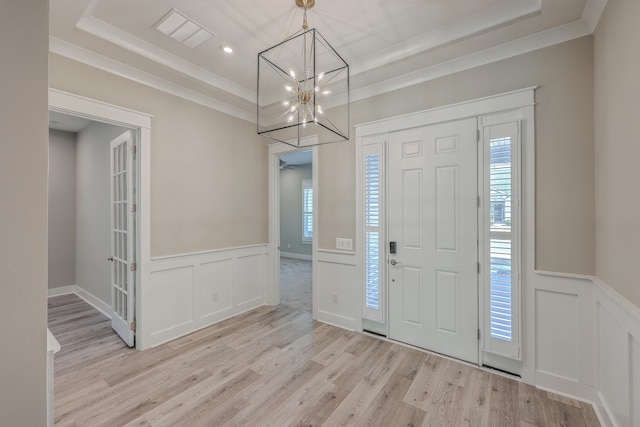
(357, 402)
(387, 408)
(446, 398)
(275, 366)
(530, 408)
(474, 410)
(425, 383)
(503, 401)
(267, 397)
(313, 403)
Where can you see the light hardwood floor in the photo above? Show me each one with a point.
(275, 366)
(295, 284)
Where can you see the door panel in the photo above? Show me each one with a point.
(122, 245)
(432, 214)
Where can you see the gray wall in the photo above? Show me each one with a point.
(291, 209)
(62, 208)
(617, 146)
(93, 234)
(208, 170)
(24, 46)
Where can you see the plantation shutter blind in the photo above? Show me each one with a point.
(502, 246)
(373, 232)
(307, 211)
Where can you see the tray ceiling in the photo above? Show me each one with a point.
(388, 45)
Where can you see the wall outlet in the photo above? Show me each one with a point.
(334, 298)
(344, 244)
(214, 297)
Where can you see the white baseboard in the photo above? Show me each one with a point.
(96, 302)
(296, 256)
(62, 290)
(91, 299)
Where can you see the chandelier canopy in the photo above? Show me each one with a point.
(300, 82)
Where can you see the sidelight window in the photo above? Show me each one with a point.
(501, 239)
(372, 163)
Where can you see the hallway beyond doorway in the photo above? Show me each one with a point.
(295, 284)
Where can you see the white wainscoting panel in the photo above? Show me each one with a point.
(216, 280)
(189, 292)
(587, 345)
(556, 355)
(170, 303)
(251, 281)
(618, 358)
(564, 338)
(338, 293)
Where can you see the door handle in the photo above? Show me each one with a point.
(394, 262)
(110, 259)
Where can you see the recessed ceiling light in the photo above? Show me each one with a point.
(226, 49)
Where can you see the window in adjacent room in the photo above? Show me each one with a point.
(307, 211)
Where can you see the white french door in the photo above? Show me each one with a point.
(432, 217)
(122, 237)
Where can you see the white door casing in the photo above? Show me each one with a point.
(140, 125)
(432, 217)
(122, 236)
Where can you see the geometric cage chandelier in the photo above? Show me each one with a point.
(301, 81)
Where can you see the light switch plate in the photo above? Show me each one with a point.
(344, 244)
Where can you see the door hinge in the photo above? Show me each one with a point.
(478, 201)
(478, 268)
(133, 266)
(133, 149)
(478, 334)
(478, 135)
(133, 207)
(132, 326)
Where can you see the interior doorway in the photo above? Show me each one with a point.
(293, 259)
(296, 229)
(99, 124)
(84, 256)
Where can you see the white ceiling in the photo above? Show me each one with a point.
(387, 44)
(297, 158)
(67, 123)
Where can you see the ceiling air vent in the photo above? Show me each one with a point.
(180, 28)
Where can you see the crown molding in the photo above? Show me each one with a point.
(493, 18)
(570, 31)
(592, 12)
(109, 65)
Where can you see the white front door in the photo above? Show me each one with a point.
(432, 218)
(122, 232)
